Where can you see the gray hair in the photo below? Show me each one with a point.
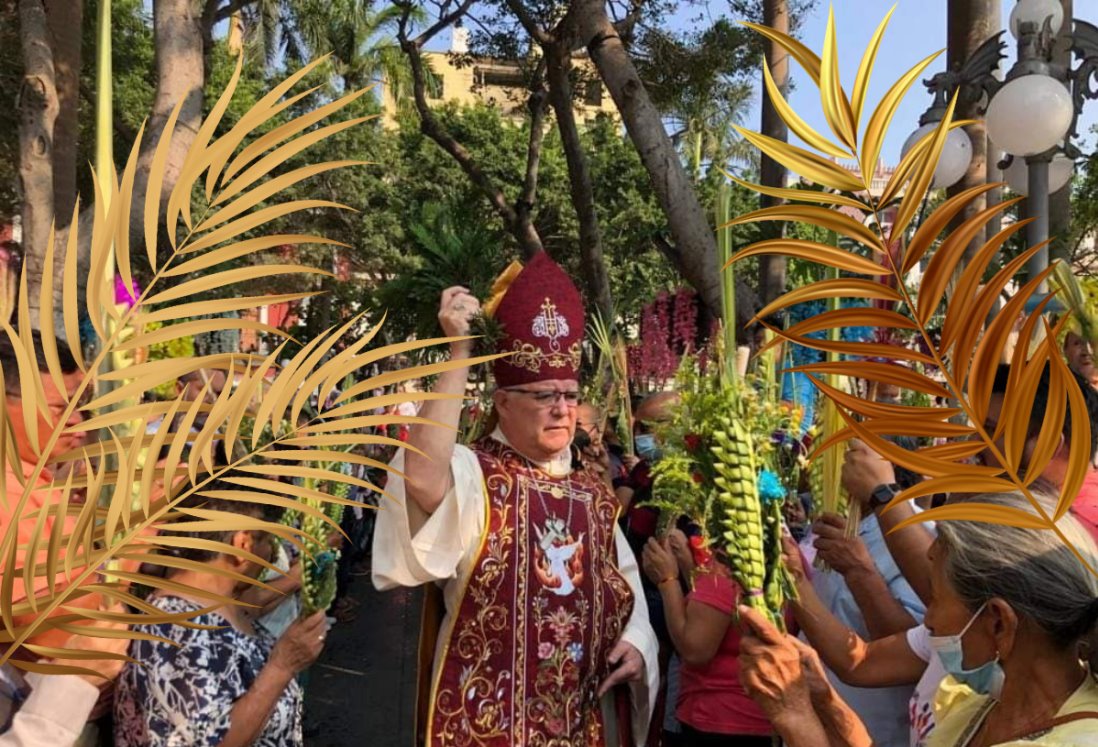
(1031, 569)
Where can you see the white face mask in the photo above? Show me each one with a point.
(986, 679)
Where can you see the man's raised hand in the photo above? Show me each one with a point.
(455, 312)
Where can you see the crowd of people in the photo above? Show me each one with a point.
(570, 611)
(230, 671)
(958, 634)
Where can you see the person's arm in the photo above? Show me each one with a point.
(848, 555)
(800, 728)
(863, 471)
(624, 494)
(54, 713)
(298, 648)
(843, 727)
(428, 473)
(696, 629)
(910, 547)
(783, 676)
(267, 600)
(883, 662)
(59, 705)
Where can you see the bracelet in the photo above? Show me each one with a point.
(661, 582)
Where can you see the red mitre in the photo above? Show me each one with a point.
(541, 317)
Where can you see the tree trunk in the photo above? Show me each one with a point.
(180, 76)
(694, 241)
(1059, 203)
(65, 18)
(38, 112)
(559, 64)
(771, 266)
(970, 23)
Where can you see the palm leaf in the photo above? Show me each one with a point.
(70, 539)
(966, 358)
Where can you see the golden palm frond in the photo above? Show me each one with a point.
(63, 551)
(968, 350)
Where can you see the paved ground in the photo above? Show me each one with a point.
(361, 693)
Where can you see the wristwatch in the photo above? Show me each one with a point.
(882, 495)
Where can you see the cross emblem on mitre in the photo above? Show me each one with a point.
(550, 324)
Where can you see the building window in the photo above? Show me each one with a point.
(592, 93)
(502, 77)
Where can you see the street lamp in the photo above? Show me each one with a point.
(1034, 114)
(973, 82)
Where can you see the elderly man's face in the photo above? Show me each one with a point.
(538, 419)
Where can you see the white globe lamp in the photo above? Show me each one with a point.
(1029, 115)
(1060, 172)
(1035, 12)
(955, 158)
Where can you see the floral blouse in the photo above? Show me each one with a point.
(183, 696)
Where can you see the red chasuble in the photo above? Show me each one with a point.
(543, 607)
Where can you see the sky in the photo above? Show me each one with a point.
(917, 29)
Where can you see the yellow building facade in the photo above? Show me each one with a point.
(468, 80)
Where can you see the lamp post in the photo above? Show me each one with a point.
(1034, 114)
(974, 82)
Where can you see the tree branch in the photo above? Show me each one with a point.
(536, 32)
(445, 20)
(523, 230)
(211, 11)
(559, 57)
(537, 104)
(625, 26)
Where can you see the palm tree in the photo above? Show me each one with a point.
(360, 39)
(706, 135)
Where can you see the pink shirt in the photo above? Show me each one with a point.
(711, 698)
(1085, 506)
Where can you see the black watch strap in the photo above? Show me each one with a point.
(882, 495)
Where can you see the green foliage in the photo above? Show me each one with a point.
(1079, 247)
(717, 448)
(451, 251)
(180, 347)
(629, 214)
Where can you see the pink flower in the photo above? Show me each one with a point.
(545, 650)
(684, 329)
(126, 296)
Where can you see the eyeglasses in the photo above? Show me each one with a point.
(550, 397)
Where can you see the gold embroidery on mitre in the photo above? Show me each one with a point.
(530, 357)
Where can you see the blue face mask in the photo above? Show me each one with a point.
(645, 444)
(986, 679)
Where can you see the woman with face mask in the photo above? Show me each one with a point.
(1013, 612)
(1013, 618)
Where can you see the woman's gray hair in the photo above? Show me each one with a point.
(1031, 569)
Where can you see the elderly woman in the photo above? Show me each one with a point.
(230, 684)
(1012, 611)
